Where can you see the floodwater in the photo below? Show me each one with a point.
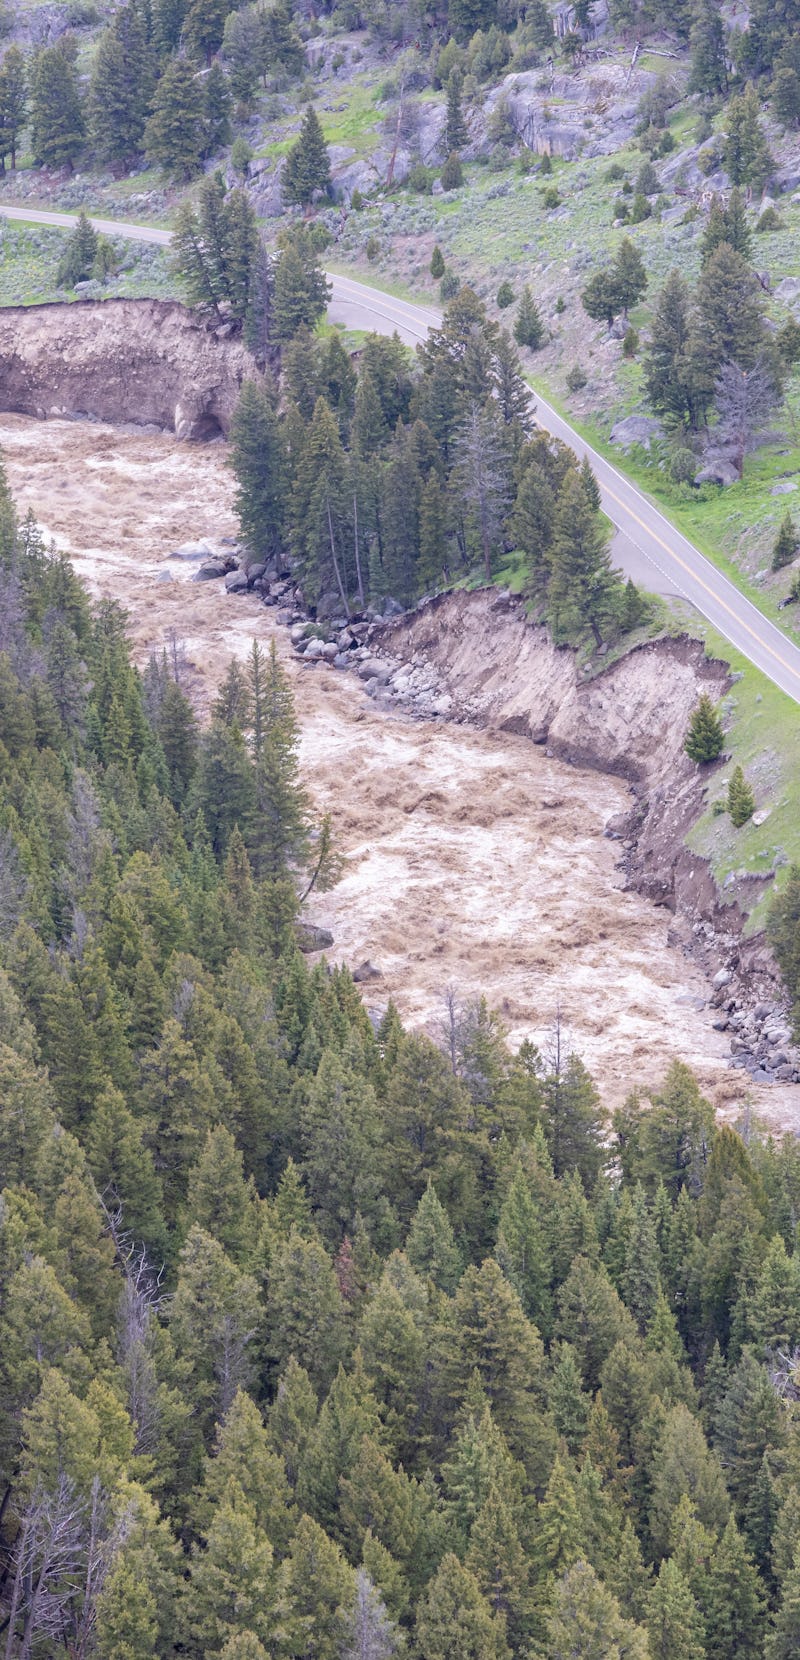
(472, 860)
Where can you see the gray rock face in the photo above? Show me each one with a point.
(636, 429)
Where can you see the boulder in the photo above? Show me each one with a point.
(636, 429)
(784, 488)
(717, 469)
(236, 582)
(366, 971)
(212, 569)
(309, 938)
(193, 550)
(374, 669)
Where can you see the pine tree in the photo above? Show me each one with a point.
(747, 157)
(674, 378)
(214, 248)
(741, 800)
(318, 1591)
(279, 836)
(433, 534)
(586, 1619)
(454, 1621)
(58, 127)
(560, 1539)
(730, 306)
(121, 89)
(498, 1561)
(705, 737)
(575, 1122)
(216, 109)
(203, 27)
(258, 457)
(431, 1244)
(220, 1200)
(735, 1608)
(305, 1308)
(174, 137)
(783, 1640)
(492, 1337)
(241, 49)
(568, 1402)
(785, 96)
(79, 253)
(437, 263)
(307, 168)
(528, 325)
(522, 1253)
(244, 1468)
(292, 1417)
(737, 230)
(281, 42)
(684, 1465)
(481, 474)
(630, 276)
(13, 104)
(258, 323)
(456, 134)
(301, 291)
(707, 41)
(584, 588)
(785, 546)
(674, 1625)
(233, 1584)
(641, 1278)
(168, 18)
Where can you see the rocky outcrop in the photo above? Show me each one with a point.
(148, 362)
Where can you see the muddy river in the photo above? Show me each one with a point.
(472, 860)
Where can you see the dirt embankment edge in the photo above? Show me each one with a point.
(146, 362)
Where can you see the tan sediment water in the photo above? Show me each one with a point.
(472, 859)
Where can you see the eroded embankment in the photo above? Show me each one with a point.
(149, 362)
(630, 719)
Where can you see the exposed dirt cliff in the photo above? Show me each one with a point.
(150, 362)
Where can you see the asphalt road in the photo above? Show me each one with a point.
(646, 545)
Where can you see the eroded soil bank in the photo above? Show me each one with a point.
(150, 362)
(473, 857)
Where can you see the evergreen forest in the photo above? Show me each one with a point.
(321, 1341)
(403, 475)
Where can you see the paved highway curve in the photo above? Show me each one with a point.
(646, 539)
